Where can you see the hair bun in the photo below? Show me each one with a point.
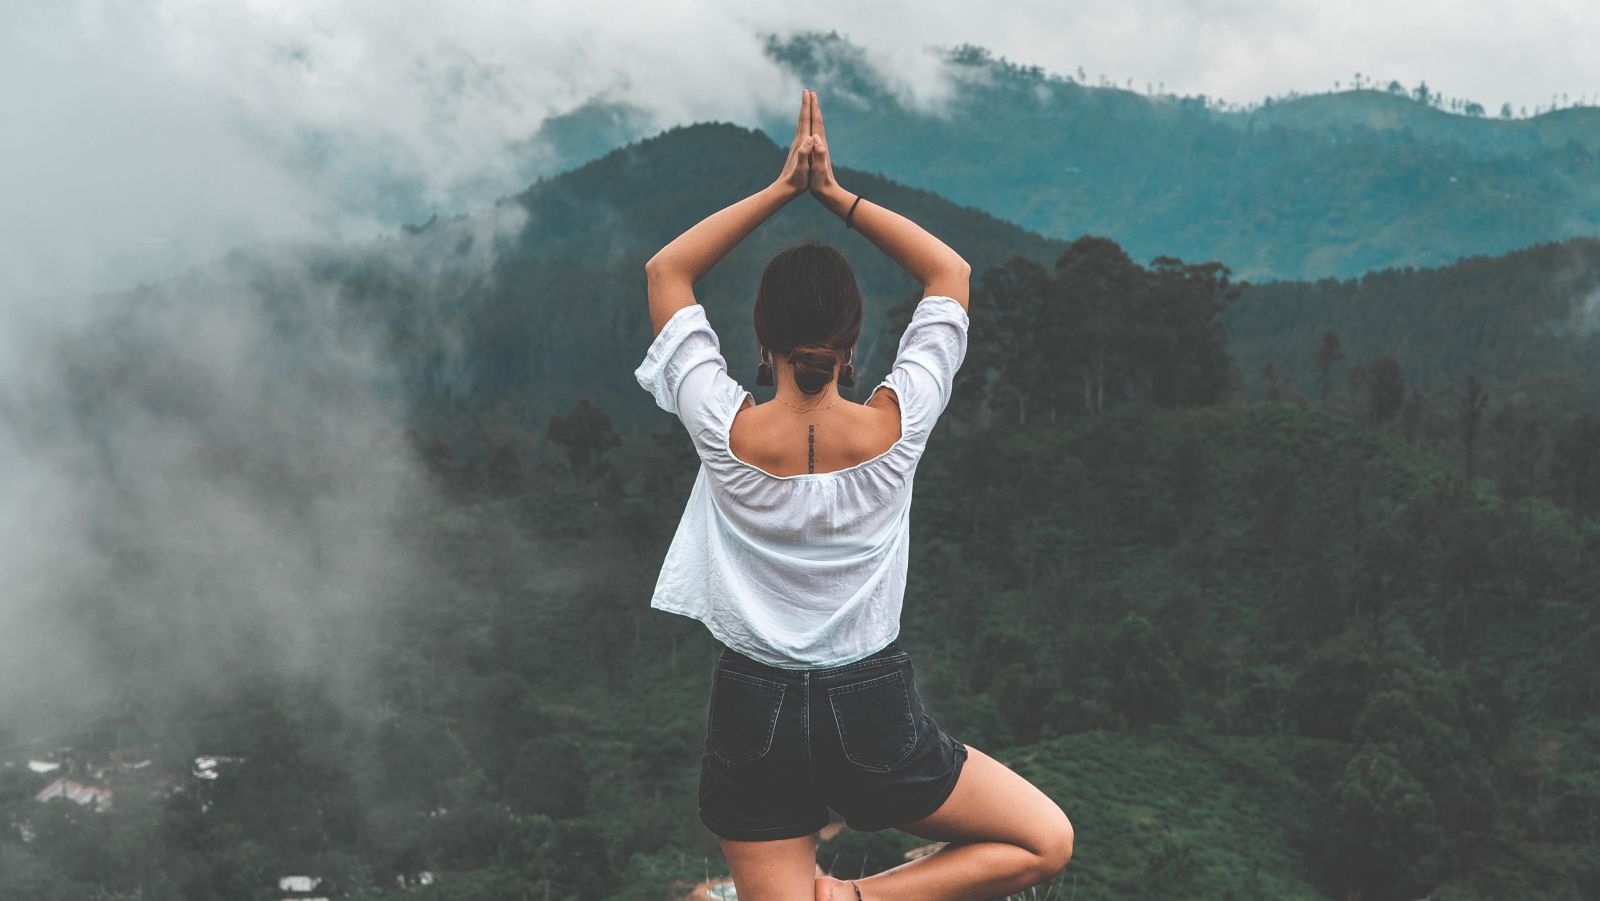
(813, 366)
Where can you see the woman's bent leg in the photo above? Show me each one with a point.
(1004, 833)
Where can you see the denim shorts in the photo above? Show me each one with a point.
(783, 745)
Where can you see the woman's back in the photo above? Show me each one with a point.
(771, 438)
(798, 568)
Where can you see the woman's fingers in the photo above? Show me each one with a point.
(803, 126)
(815, 144)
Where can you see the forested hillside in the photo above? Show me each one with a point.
(515, 307)
(1529, 321)
(1284, 646)
(541, 299)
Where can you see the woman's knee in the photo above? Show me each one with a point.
(1054, 848)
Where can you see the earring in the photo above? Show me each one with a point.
(764, 373)
(847, 378)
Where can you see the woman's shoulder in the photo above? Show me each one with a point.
(759, 434)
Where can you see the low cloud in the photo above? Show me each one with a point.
(143, 136)
(206, 480)
(1585, 320)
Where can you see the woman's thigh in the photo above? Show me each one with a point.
(780, 870)
(992, 803)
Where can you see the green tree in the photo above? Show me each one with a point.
(549, 776)
(1474, 398)
(1411, 415)
(579, 860)
(1329, 352)
(1330, 690)
(1575, 467)
(1274, 386)
(1102, 331)
(1423, 722)
(1145, 686)
(1272, 487)
(1384, 840)
(1386, 391)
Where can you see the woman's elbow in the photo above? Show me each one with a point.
(662, 267)
(956, 268)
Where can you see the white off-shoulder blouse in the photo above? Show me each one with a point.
(808, 569)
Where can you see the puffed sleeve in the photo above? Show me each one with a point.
(931, 350)
(685, 372)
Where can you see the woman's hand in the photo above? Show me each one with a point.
(796, 173)
(821, 183)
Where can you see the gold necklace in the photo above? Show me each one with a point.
(808, 409)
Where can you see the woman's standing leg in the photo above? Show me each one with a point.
(1004, 833)
(779, 870)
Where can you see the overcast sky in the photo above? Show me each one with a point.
(141, 136)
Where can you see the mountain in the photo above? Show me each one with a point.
(1303, 187)
(1350, 113)
(1527, 322)
(1515, 320)
(541, 298)
(1309, 190)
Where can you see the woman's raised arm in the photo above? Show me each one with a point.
(675, 268)
(929, 260)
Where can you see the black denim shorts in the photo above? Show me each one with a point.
(783, 745)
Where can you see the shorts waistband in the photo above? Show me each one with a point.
(890, 651)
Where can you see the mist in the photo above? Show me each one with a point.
(147, 137)
(208, 480)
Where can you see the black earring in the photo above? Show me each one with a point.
(847, 378)
(764, 374)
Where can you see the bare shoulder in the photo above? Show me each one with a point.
(885, 414)
(744, 416)
(883, 399)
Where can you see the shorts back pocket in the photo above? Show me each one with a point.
(743, 716)
(877, 720)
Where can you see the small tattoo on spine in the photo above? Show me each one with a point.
(811, 447)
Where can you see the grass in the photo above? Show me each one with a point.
(1174, 814)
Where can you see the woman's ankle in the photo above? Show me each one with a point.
(830, 889)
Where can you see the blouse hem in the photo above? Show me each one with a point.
(727, 640)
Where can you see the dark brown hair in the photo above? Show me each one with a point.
(808, 309)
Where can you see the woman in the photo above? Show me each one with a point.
(793, 551)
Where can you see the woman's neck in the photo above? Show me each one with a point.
(790, 396)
